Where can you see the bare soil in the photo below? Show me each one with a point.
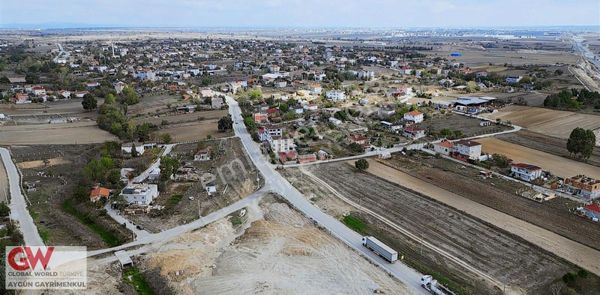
(280, 252)
(469, 126)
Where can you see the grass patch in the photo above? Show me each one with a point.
(172, 201)
(110, 238)
(44, 234)
(236, 220)
(355, 223)
(134, 277)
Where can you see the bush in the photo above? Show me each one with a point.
(361, 165)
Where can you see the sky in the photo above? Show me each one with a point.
(299, 13)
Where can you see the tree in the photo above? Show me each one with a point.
(581, 142)
(255, 94)
(168, 166)
(166, 138)
(4, 209)
(89, 102)
(225, 123)
(110, 99)
(129, 96)
(361, 165)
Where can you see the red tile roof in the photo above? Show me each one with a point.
(593, 207)
(414, 113)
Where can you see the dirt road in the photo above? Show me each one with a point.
(71, 133)
(573, 252)
(557, 165)
(550, 122)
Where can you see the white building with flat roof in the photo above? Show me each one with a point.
(140, 193)
(335, 95)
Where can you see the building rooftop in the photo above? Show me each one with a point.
(526, 166)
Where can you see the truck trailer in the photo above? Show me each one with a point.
(380, 249)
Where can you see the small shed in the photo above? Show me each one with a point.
(124, 258)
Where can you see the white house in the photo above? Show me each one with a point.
(202, 155)
(205, 93)
(335, 95)
(127, 148)
(140, 193)
(335, 121)
(413, 132)
(525, 172)
(279, 144)
(513, 79)
(443, 147)
(468, 148)
(414, 116)
(119, 86)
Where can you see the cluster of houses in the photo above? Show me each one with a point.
(581, 186)
(23, 94)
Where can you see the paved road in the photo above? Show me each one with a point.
(276, 183)
(18, 205)
(114, 214)
(140, 178)
(182, 229)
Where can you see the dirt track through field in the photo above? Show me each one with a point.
(560, 166)
(573, 252)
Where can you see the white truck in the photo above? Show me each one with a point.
(380, 249)
(434, 287)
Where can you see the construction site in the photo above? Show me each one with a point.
(267, 248)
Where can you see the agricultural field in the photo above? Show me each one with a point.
(552, 145)
(550, 122)
(557, 165)
(479, 56)
(153, 103)
(68, 133)
(438, 176)
(478, 243)
(193, 131)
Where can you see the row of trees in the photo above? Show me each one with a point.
(573, 99)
